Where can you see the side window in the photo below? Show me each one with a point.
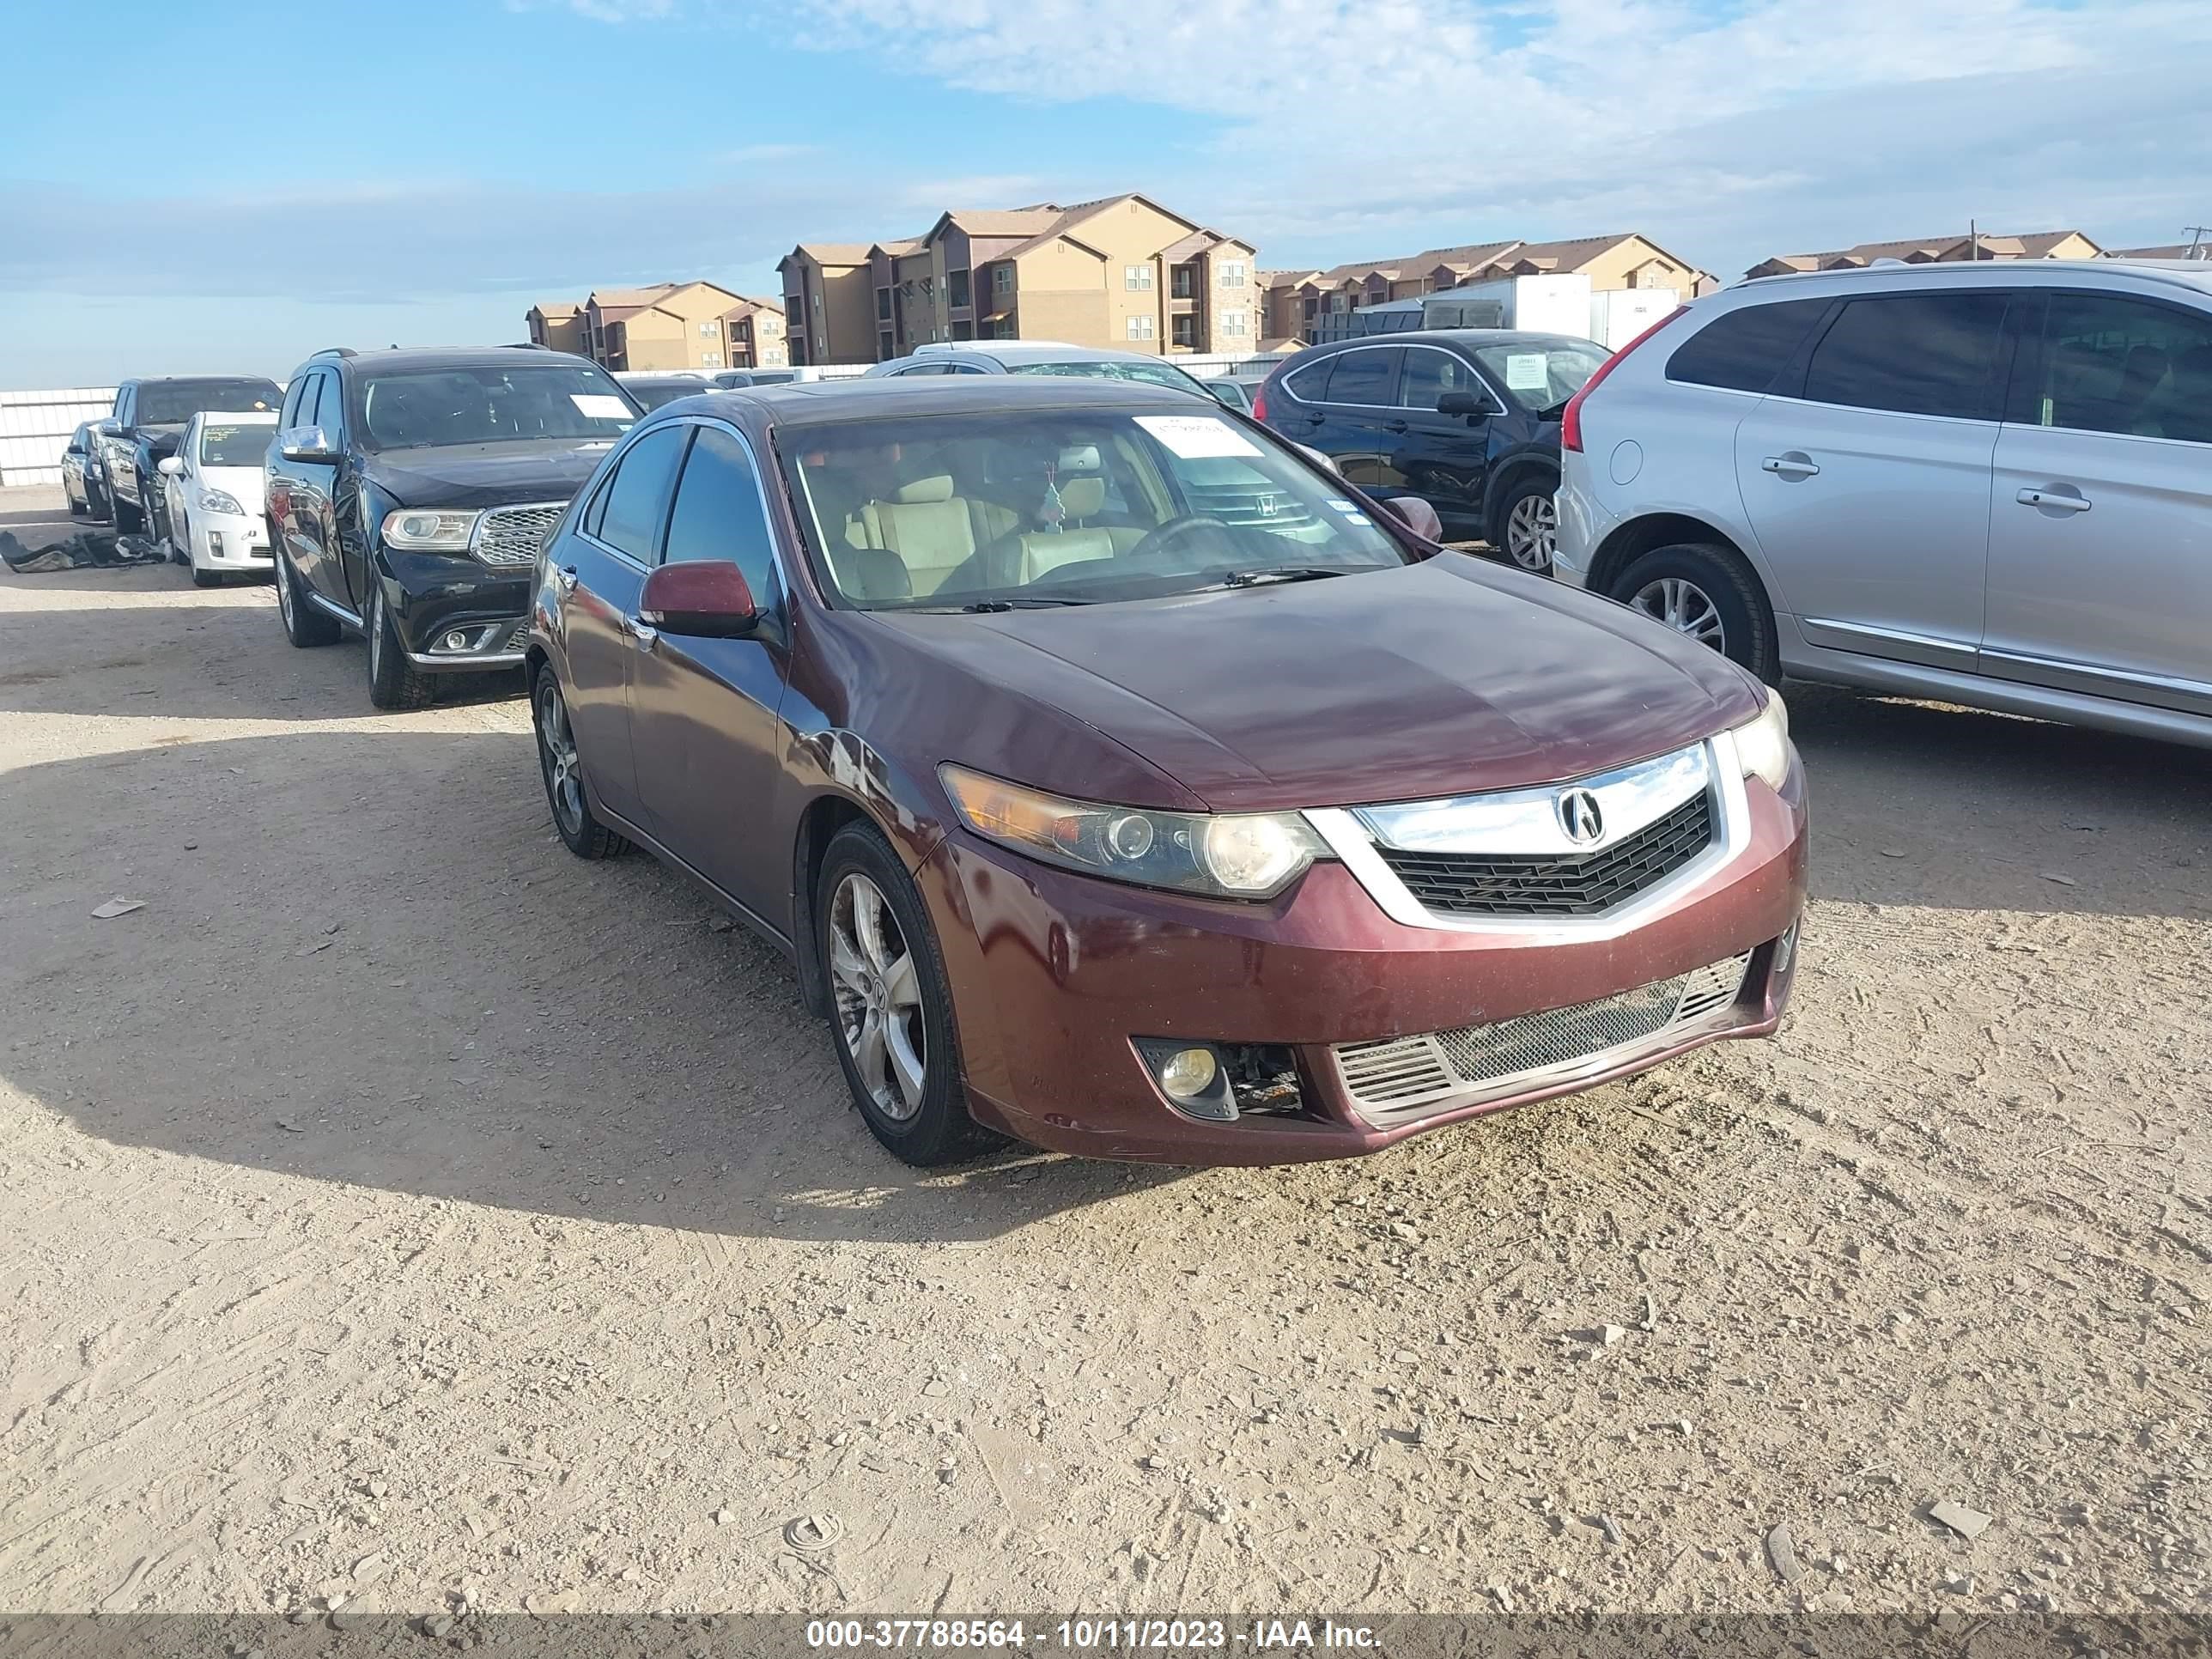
(635, 504)
(1915, 354)
(1744, 350)
(1364, 376)
(1310, 385)
(2111, 364)
(290, 415)
(1429, 374)
(719, 513)
(330, 406)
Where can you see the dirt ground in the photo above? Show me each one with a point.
(395, 1209)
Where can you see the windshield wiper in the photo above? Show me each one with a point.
(1028, 602)
(1298, 573)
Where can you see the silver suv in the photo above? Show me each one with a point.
(1990, 484)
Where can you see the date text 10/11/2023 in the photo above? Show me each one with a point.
(1080, 1635)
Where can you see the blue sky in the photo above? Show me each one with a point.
(301, 176)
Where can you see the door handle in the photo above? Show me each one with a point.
(2053, 499)
(565, 580)
(1394, 426)
(1790, 466)
(641, 631)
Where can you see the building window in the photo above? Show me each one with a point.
(710, 359)
(963, 330)
(1003, 329)
(1140, 328)
(1236, 274)
(1002, 280)
(1137, 278)
(883, 304)
(956, 284)
(1184, 282)
(773, 355)
(1186, 331)
(1237, 322)
(885, 350)
(710, 329)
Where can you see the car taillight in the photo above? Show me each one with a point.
(1260, 405)
(1571, 422)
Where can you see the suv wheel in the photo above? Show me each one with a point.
(1706, 593)
(131, 520)
(393, 682)
(890, 1005)
(304, 625)
(1527, 523)
(580, 828)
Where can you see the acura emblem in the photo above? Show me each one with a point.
(1579, 816)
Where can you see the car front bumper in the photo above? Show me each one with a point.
(456, 616)
(230, 541)
(1055, 976)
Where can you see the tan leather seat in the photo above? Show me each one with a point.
(927, 527)
(1076, 541)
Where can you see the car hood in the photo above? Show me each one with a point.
(1446, 677)
(485, 475)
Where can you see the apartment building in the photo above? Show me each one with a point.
(1121, 272)
(665, 325)
(1937, 250)
(1296, 298)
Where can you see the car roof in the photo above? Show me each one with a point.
(815, 402)
(406, 357)
(194, 379)
(2192, 275)
(1464, 336)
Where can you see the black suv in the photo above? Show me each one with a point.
(1467, 417)
(408, 493)
(149, 419)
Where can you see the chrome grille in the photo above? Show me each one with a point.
(1401, 1078)
(1247, 504)
(1543, 885)
(513, 534)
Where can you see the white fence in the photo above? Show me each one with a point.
(35, 427)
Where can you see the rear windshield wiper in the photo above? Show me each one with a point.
(1304, 573)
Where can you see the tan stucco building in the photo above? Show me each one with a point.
(665, 325)
(1296, 299)
(1121, 272)
(1936, 250)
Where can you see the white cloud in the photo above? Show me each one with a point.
(1770, 124)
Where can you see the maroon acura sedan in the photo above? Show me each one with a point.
(1122, 782)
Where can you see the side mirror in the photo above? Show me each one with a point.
(1417, 515)
(109, 429)
(171, 466)
(707, 599)
(306, 443)
(1460, 403)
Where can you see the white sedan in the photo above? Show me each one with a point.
(214, 491)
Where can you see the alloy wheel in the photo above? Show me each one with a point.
(1685, 607)
(878, 996)
(1531, 531)
(564, 782)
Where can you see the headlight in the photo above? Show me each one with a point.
(414, 529)
(1763, 744)
(221, 501)
(1246, 855)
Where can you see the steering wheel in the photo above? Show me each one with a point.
(1164, 536)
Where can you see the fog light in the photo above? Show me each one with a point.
(1188, 1073)
(215, 545)
(455, 641)
(1785, 949)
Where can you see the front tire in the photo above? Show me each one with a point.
(891, 1003)
(578, 826)
(1706, 592)
(131, 520)
(393, 682)
(1525, 523)
(304, 625)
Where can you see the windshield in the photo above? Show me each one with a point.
(1110, 368)
(1543, 376)
(1075, 507)
(235, 445)
(653, 394)
(172, 402)
(488, 404)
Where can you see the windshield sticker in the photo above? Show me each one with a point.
(1197, 437)
(1341, 505)
(1357, 517)
(1524, 371)
(600, 406)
